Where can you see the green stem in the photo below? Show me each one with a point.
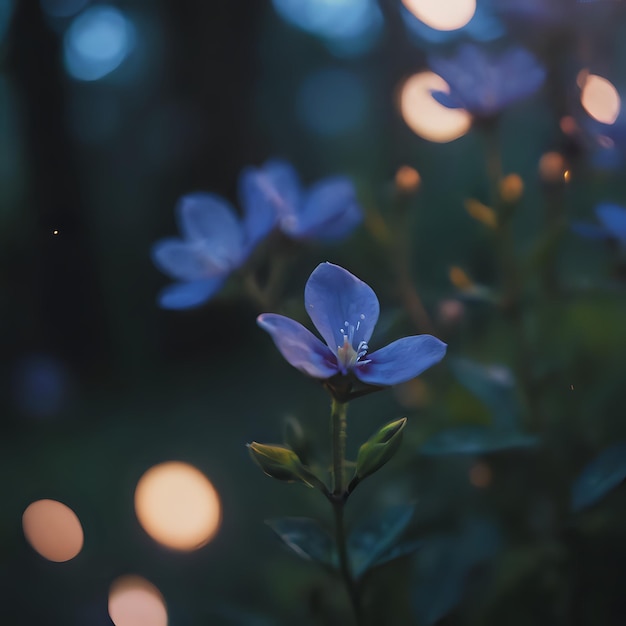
(339, 434)
(338, 498)
(512, 288)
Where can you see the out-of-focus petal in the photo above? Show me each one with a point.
(300, 347)
(189, 295)
(590, 231)
(333, 297)
(401, 360)
(446, 99)
(258, 198)
(210, 219)
(186, 260)
(275, 184)
(613, 218)
(330, 210)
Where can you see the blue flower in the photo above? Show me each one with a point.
(484, 83)
(328, 211)
(345, 310)
(612, 225)
(214, 243)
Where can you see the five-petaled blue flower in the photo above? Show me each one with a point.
(345, 310)
(214, 243)
(328, 211)
(612, 225)
(484, 83)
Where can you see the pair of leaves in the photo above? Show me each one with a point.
(494, 386)
(599, 477)
(373, 542)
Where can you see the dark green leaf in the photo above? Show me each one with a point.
(604, 473)
(402, 549)
(306, 538)
(494, 386)
(476, 440)
(443, 565)
(376, 535)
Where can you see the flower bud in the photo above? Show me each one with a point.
(481, 212)
(379, 449)
(279, 462)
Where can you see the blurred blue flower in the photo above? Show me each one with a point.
(345, 310)
(612, 225)
(484, 83)
(328, 211)
(214, 243)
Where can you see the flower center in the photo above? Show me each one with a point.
(349, 355)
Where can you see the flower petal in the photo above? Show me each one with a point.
(334, 297)
(330, 211)
(272, 188)
(589, 230)
(189, 295)
(258, 198)
(401, 360)
(208, 218)
(186, 261)
(445, 99)
(613, 218)
(299, 346)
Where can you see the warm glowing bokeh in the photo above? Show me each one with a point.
(425, 116)
(480, 475)
(133, 601)
(511, 188)
(407, 179)
(599, 98)
(442, 14)
(53, 530)
(177, 506)
(552, 167)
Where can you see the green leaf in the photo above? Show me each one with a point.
(600, 476)
(443, 565)
(374, 538)
(494, 385)
(396, 552)
(475, 440)
(306, 538)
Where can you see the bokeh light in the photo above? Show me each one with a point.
(332, 102)
(407, 179)
(442, 14)
(53, 530)
(178, 506)
(333, 19)
(134, 601)
(97, 42)
(599, 98)
(552, 167)
(425, 116)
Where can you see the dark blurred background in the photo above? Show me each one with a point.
(108, 114)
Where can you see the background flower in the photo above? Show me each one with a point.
(483, 83)
(214, 243)
(327, 211)
(612, 225)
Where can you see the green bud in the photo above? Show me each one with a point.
(377, 450)
(281, 463)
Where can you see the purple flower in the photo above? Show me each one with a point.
(345, 310)
(484, 83)
(612, 225)
(214, 243)
(328, 211)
